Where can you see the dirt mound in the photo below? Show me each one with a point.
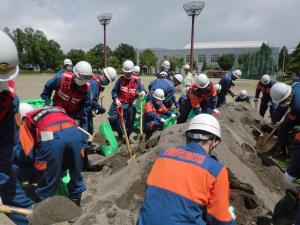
(115, 194)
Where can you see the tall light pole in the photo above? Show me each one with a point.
(104, 19)
(193, 9)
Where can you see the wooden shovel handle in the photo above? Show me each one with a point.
(15, 210)
(141, 116)
(273, 131)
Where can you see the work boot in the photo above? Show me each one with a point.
(88, 167)
(76, 200)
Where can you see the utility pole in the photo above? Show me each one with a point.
(193, 9)
(104, 20)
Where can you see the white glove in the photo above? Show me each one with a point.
(216, 112)
(118, 102)
(162, 120)
(231, 211)
(142, 94)
(173, 115)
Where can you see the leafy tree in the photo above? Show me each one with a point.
(95, 56)
(264, 60)
(204, 66)
(176, 62)
(148, 59)
(76, 55)
(283, 58)
(114, 62)
(294, 61)
(124, 52)
(226, 61)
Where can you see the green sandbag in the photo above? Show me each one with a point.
(192, 114)
(62, 188)
(35, 103)
(106, 130)
(169, 122)
(136, 125)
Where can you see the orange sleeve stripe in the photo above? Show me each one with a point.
(219, 198)
(185, 179)
(148, 107)
(194, 100)
(26, 138)
(213, 91)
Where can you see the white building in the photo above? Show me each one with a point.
(211, 51)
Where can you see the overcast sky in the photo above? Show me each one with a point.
(155, 23)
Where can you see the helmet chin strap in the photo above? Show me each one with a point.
(79, 82)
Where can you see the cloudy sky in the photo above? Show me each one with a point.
(155, 23)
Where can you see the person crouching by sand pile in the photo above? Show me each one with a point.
(186, 184)
(243, 97)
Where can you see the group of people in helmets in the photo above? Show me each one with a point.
(186, 185)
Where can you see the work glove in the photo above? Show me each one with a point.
(162, 120)
(142, 94)
(173, 115)
(47, 103)
(232, 94)
(100, 110)
(216, 112)
(231, 211)
(117, 101)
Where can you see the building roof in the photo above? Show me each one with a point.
(237, 44)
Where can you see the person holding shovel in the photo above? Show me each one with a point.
(11, 192)
(155, 113)
(126, 89)
(186, 184)
(98, 84)
(283, 95)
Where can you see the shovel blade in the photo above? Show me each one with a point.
(131, 159)
(54, 210)
(262, 145)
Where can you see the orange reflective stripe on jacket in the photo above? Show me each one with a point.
(150, 108)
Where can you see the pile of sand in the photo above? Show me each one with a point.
(115, 194)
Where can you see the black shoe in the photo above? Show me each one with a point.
(88, 167)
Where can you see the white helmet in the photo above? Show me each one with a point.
(68, 62)
(179, 77)
(128, 66)
(83, 69)
(243, 93)
(279, 92)
(24, 108)
(218, 88)
(237, 73)
(159, 94)
(205, 122)
(9, 60)
(265, 79)
(110, 73)
(136, 69)
(166, 64)
(201, 81)
(187, 67)
(163, 75)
